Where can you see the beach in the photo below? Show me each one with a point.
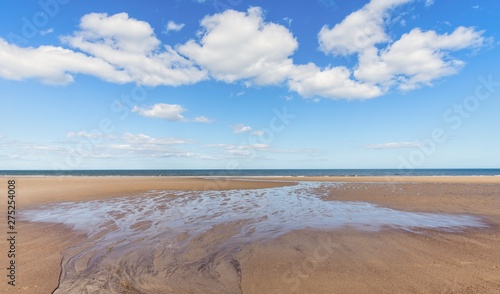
(402, 235)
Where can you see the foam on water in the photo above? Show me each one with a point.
(138, 230)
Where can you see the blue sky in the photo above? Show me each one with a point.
(249, 84)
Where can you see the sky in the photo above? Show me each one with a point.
(240, 84)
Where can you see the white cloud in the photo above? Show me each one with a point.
(131, 45)
(241, 46)
(141, 146)
(53, 65)
(83, 144)
(309, 80)
(360, 30)
(147, 141)
(417, 58)
(171, 112)
(256, 150)
(243, 150)
(394, 145)
(259, 146)
(46, 32)
(84, 134)
(184, 154)
(429, 3)
(123, 146)
(258, 133)
(26, 151)
(114, 48)
(101, 34)
(203, 119)
(173, 26)
(241, 128)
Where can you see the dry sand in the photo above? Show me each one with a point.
(304, 261)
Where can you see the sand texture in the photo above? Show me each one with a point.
(202, 235)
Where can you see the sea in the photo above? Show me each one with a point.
(258, 172)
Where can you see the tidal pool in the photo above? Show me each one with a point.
(147, 242)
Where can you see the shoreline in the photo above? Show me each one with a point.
(250, 176)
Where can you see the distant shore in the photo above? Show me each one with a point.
(356, 261)
(261, 172)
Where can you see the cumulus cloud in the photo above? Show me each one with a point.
(360, 30)
(241, 128)
(130, 44)
(115, 48)
(234, 46)
(417, 58)
(53, 65)
(241, 46)
(171, 112)
(173, 26)
(309, 80)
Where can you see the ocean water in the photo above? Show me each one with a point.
(258, 172)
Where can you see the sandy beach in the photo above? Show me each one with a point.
(232, 254)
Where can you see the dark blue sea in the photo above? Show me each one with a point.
(258, 172)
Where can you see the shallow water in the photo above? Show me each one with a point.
(164, 241)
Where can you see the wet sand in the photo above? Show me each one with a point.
(39, 190)
(227, 258)
(389, 261)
